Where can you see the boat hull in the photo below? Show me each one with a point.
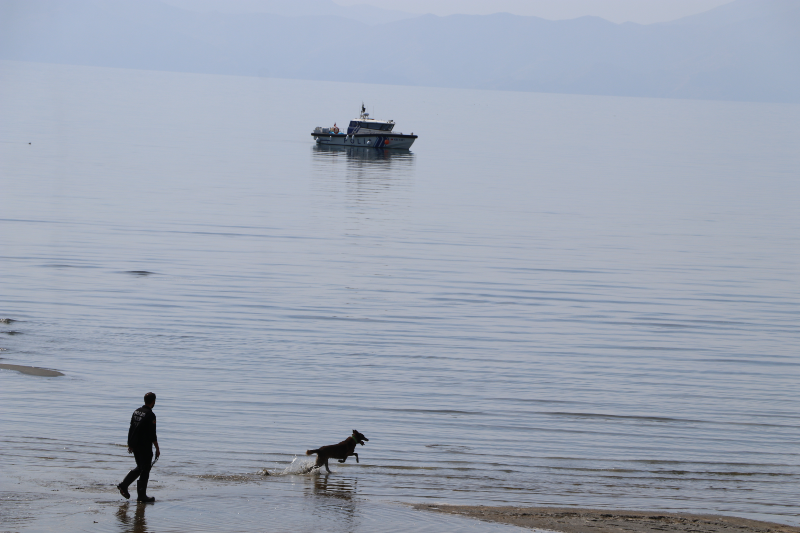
(366, 140)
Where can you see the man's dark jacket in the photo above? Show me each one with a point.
(142, 433)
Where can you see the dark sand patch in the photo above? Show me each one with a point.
(32, 370)
(139, 272)
(574, 520)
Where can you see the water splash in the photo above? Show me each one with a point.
(300, 466)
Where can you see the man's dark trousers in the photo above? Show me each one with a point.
(144, 461)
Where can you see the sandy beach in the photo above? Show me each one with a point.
(576, 520)
(32, 370)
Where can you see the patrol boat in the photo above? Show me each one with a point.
(364, 132)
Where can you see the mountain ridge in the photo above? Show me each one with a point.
(727, 56)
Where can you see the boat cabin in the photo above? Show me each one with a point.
(364, 124)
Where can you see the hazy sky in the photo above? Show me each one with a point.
(641, 11)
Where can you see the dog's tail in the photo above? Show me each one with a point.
(311, 452)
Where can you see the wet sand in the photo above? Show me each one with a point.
(32, 370)
(575, 520)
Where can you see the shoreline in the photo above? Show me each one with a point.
(579, 520)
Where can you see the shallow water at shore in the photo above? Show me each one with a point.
(314, 503)
(595, 305)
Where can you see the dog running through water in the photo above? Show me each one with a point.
(340, 451)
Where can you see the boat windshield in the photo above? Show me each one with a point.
(372, 125)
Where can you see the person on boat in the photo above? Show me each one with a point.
(141, 438)
(335, 128)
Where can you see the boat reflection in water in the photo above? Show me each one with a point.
(371, 176)
(378, 162)
(364, 153)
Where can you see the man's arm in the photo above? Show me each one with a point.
(130, 432)
(155, 439)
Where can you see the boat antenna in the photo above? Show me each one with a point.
(363, 109)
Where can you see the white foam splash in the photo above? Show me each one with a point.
(299, 466)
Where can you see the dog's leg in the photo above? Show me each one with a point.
(321, 461)
(326, 465)
(343, 460)
(354, 453)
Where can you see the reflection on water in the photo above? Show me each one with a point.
(368, 177)
(364, 162)
(335, 500)
(135, 523)
(360, 155)
(341, 488)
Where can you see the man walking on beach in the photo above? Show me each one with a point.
(141, 438)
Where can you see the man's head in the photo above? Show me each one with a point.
(150, 399)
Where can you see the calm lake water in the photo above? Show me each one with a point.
(550, 300)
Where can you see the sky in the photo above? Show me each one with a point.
(641, 11)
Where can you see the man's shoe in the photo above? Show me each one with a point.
(124, 491)
(146, 499)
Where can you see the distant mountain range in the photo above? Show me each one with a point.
(294, 8)
(746, 50)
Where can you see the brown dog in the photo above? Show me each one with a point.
(340, 451)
